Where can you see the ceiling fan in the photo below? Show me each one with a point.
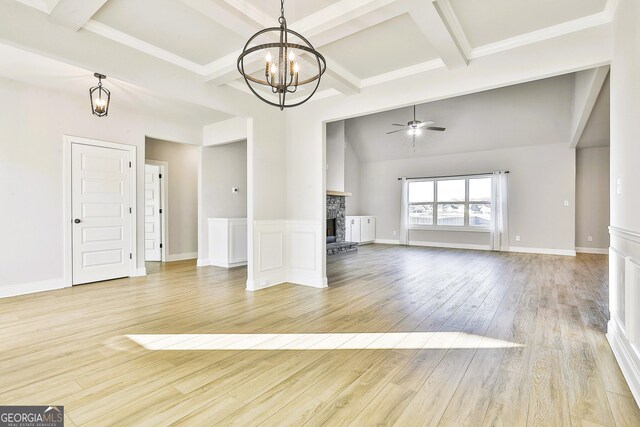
(415, 127)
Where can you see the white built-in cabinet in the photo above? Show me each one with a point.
(227, 241)
(361, 229)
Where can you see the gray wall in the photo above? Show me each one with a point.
(335, 156)
(541, 179)
(33, 121)
(592, 197)
(352, 172)
(223, 167)
(182, 183)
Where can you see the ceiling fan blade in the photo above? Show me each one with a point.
(394, 131)
(423, 124)
(397, 124)
(439, 129)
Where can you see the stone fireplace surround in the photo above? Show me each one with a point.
(336, 210)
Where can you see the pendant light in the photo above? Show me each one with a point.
(281, 61)
(100, 97)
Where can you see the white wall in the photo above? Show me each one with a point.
(335, 156)
(182, 185)
(592, 198)
(623, 330)
(541, 178)
(223, 167)
(32, 123)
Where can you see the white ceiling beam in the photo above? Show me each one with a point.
(321, 28)
(587, 87)
(429, 19)
(228, 17)
(74, 14)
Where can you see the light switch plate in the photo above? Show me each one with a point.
(517, 238)
(566, 203)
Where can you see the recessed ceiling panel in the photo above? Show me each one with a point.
(489, 21)
(294, 10)
(172, 26)
(391, 45)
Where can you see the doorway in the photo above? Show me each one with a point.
(99, 195)
(155, 210)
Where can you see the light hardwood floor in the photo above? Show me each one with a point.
(69, 347)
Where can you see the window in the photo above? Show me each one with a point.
(451, 203)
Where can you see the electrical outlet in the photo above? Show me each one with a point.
(395, 233)
(566, 203)
(517, 238)
(590, 238)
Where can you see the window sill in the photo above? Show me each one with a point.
(441, 228)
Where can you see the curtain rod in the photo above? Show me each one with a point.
(449, 176)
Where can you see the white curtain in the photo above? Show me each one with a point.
(499, 239)
(404, 213)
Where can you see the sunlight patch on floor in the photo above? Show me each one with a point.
(320, 341)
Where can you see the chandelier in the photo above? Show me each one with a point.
(277, 61)
(100, 97)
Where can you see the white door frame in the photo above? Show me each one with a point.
(67, 215)
(164, 193)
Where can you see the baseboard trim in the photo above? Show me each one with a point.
(386, 242)
(252, 287)
(624, 356)
(448, 245)
(202, 262)
(7, 291)
(140, 272)
(601, 251)
(320, 282)
(182, 257)
(543, 251)
(225, 264)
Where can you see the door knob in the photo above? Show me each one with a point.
(77, 221)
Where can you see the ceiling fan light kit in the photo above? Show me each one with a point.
(282, 71)
(414, 128)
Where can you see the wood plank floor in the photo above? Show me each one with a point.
(544, 359)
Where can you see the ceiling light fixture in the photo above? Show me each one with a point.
(282, 70)
(100, 97)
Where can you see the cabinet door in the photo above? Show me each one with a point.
(347, 232)
(355, 230)
(372, 228)
(367, 229)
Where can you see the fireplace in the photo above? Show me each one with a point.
(331, 230)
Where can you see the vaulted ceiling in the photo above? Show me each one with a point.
(194, 44)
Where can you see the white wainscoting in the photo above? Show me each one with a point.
(287, 252)
(269, 267)
(623, 331)
(304, 258)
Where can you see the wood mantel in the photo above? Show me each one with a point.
(338, 193)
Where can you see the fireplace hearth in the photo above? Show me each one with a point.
(336, 226)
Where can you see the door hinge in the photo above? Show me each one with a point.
(129, 164)
(160, 210)
(160, 176)
(130, 211)
(130, 256)
(160, 245)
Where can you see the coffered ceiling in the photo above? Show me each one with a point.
(366, 42)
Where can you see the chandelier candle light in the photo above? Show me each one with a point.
(282, 50)
(100, 97)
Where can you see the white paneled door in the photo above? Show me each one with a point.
(100, 199)
(152, 214)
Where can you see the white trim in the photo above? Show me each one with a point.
(203, 262)
(386, 242)
(624, 234)
(31, 287)
(469, 228)
(320, 282)
(543, 251)
(400, 73)
(449, 245)
(182, 257)
(583, 250)
(140, 272)
(164, 203)
(67, 214)
(626, 357)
